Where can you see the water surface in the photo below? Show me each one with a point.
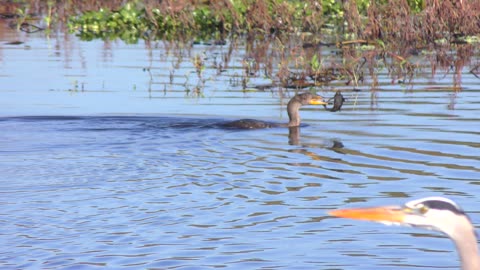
(100, 172)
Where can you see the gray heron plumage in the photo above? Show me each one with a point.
(432, 213)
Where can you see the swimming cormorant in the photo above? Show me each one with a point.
(293, 108)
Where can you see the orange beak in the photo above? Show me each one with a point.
(378, 214)
(318, 100)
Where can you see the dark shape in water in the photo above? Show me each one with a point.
(14, 43)
(30, 28)
(293, 108)
(338, 101)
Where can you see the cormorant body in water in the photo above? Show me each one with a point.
(293, 108)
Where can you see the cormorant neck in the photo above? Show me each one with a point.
(294, 135)
(293, 108)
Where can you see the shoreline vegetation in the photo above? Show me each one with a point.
(397, 35)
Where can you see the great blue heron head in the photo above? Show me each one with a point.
(433, 213)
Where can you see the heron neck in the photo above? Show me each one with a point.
(293, 108)
(468, 250)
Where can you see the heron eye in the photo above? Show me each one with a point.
(423, 209)
(420, 209)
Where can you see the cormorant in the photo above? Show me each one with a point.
(293, 108)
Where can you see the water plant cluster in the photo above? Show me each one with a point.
(203, 20)
(412, 21)
(284, 38)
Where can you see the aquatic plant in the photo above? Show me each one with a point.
(203, 21)
(127, 24)
(282, 38)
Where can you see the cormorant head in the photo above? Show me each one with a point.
(309, 99)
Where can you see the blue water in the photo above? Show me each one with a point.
(99, 172)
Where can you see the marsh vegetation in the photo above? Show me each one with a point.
(289, 42)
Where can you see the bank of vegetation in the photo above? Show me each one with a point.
(369, 34)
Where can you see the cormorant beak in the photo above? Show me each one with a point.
(388, 214)
(317, 100)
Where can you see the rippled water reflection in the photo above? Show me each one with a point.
(121, 177)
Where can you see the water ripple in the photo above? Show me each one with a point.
(140, 190)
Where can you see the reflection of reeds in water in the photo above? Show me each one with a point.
(286, 43)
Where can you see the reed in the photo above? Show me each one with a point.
(282, 36)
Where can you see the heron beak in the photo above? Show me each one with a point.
(378, 214)
(318, 100)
